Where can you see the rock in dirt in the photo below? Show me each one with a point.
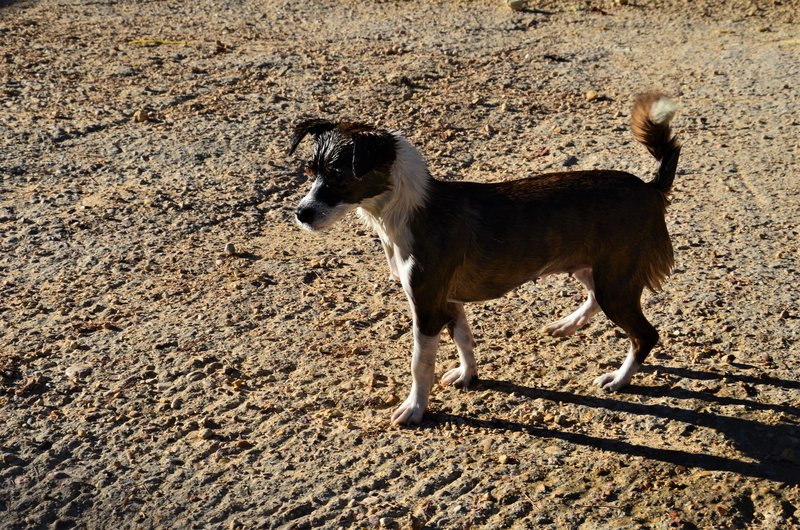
(570, 161)
(78, 371)
(554, 450)
(206, 434)
(504, 459)
(141, 116)
(790, 455)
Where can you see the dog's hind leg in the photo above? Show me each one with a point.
(463, 374)
(621, 302)
(576, 320)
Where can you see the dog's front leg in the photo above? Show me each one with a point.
(423, 364)
(388, 249)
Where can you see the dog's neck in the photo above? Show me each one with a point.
(389, 213)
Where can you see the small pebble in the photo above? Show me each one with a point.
(592, 95)
(141, 116)
(206, 434)
(505, 459)
(196, 375)
(569, 161)
(553, 450)
(790, 455)
(230, 249)
(79, 370)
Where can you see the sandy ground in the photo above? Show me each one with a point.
(148, 379)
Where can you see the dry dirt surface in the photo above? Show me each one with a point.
(176, 353)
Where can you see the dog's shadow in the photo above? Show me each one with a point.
(762, 442)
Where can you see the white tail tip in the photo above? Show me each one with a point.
(662, 111)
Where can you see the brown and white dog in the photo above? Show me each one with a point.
(449, 243)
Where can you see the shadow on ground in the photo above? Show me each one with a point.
(759, 441)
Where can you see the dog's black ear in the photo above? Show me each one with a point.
(314, 126)
(372, 150)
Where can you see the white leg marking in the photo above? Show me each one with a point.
(575, 321)
(423, 364)
(465, 343)
(621, 377)
(394, 273)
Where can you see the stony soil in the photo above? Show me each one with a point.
(150, 379)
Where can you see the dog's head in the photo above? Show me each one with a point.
(350, 163)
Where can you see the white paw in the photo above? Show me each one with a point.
(567, 325)
(460, 376)
(409, 413)
(613, 381)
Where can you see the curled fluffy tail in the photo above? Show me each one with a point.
(650, 119)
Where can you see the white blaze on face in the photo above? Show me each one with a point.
(323, 214)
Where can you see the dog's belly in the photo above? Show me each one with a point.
(488, 287)
(493, 282)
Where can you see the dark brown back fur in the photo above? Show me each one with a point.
(573, 220)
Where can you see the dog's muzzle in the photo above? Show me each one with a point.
(305, 214)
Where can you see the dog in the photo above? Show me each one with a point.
(449, 243)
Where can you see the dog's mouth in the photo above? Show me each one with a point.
(315, 219)
(314, 225)
(304, 226)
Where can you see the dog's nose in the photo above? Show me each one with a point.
(305, 214)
